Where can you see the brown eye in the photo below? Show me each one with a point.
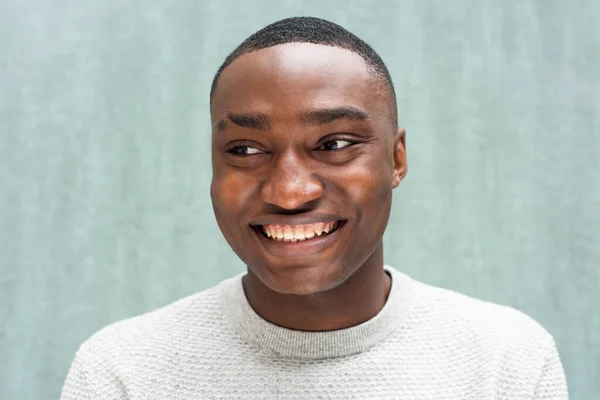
(337, 144)
(243, 150)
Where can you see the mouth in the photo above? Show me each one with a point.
(300, 241)
(297, 233)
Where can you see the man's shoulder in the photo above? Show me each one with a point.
(502, 347)
(199, 312)
(480, 320)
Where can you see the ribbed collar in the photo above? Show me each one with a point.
(315, 345)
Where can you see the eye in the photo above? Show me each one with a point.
(244, 150)
(336, 144)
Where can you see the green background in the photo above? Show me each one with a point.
(105, 162)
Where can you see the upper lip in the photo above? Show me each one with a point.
(300, 219)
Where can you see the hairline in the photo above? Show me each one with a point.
(379, 76)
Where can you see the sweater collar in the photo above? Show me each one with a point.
(316, 345)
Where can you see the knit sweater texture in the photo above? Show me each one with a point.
(426, 343)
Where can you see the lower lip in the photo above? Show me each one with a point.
(302, 249)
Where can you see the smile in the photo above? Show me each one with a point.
(298, 233)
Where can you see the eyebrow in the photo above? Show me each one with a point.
(252, 121)
(325, 116)
(310, 117)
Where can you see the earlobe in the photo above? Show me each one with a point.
(400, 161)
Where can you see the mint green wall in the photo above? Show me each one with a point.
(104, 162)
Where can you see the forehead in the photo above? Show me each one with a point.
(286, 79)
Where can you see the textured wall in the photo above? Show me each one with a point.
(105, 162)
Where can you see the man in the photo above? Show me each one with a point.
(306, 150)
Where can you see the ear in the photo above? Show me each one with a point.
(400, 162)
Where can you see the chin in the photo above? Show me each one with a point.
(302, 280)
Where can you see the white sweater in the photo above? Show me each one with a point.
(426, 343)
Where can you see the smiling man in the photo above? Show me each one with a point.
(306, 151)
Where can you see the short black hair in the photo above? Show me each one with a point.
(316, 31)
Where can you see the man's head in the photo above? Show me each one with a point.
(306, 151)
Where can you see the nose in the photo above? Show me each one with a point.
(291, 183)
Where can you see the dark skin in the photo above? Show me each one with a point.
(304, 133)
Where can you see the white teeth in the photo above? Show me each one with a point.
(298, 233)
(309, 232)
(319, 228)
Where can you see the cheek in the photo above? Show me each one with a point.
(370, 191)
(369, 187)
(228, 192)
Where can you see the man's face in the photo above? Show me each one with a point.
(305, 155)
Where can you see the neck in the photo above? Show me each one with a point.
(356, 300)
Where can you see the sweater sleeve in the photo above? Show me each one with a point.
(77, 385)
(552, 384)
(91, 379)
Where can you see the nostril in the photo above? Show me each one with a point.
(291, 195)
